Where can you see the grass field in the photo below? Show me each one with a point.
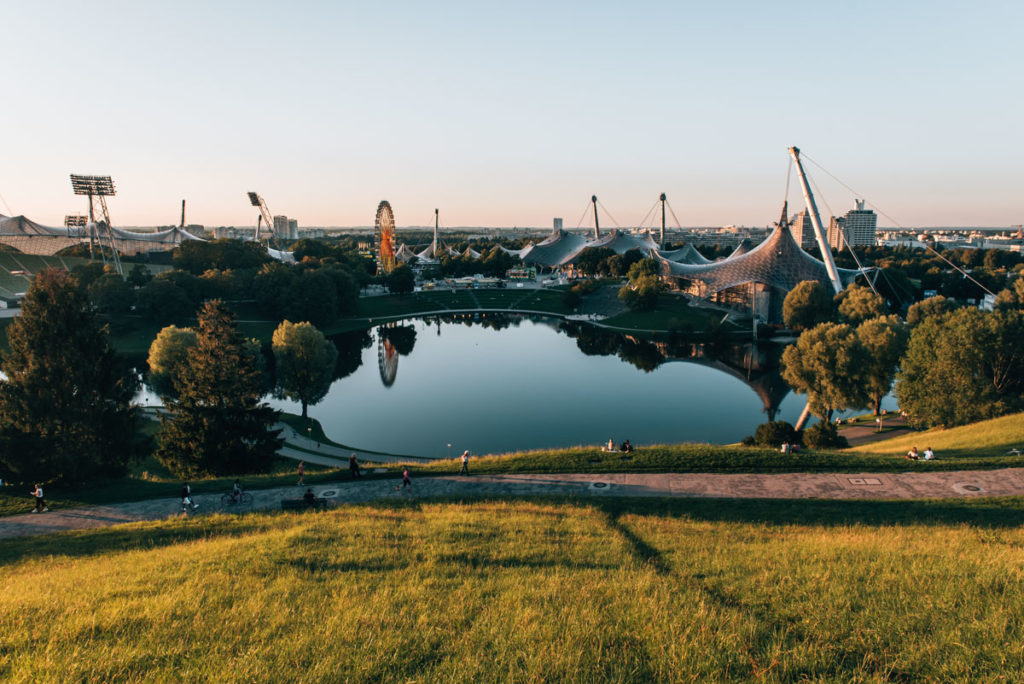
(619, 591)
(994, 437)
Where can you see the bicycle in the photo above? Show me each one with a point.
(243, 499)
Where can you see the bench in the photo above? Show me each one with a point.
(302, 505)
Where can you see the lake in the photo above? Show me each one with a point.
(497, 384)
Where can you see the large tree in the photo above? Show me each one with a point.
(168, 358)
(933, 306)
(305, 361)
(858, 304)
(962, 367)
(644, 286)
(65, 407)
(807, 305)
(827, 363)
(884, 339)
(219, 424)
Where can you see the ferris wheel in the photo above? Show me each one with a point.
(385, 236)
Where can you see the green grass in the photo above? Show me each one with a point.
(621, 591)
(991, 438)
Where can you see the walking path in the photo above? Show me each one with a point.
(937, 485)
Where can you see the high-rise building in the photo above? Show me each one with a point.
(803, 232)
(281, 226)
(558, 225)
(861, 225)
(857, 228)
(293, 229)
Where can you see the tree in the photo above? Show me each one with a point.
(305, 362)
(857, 304)
(219, 424)
(807, 305)
(401, 280)
(1013, 296)
(66, 402)
(933, 306)
(161, 301)
(885, 340)
(962, 367)
(827, 363)
(139, 275)
(111, 294)
(644, 286)
(168, 358)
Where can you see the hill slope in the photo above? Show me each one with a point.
(988, 438)
(514, 591)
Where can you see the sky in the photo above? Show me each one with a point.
(512, 113)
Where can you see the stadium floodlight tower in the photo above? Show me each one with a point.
(97, 189)
(261, 204)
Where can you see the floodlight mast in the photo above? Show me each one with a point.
(99, 187)
(819, 232)
(259, 202)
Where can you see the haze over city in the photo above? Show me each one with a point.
(511, 114)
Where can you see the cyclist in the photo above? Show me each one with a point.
(236, 492)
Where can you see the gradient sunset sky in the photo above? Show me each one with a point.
(511, 113)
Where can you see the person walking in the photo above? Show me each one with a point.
(465, 463)
(406, 479)
(186, 499)
(353, 467)
(40, 501)
(302, 477)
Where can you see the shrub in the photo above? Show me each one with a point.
(773, 434)
(824, 435)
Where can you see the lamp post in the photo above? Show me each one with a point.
(309, 434)
(449, 452)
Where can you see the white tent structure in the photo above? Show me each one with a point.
(30, 237)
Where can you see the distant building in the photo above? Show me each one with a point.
(803, 232)
(293, 229)
(281, 226)
(558, 225)
(858, 228)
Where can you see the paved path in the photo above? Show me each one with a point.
(957, 484)
(866, 433)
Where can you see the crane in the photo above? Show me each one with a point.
(258, 201)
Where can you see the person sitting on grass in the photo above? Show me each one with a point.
(912, 454)
(626, 447)
(929, 455)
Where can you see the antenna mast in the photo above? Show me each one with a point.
(597, 226)
(663, 199)
(819, 232)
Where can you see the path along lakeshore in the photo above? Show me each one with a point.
(897, 486)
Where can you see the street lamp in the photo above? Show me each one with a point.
(309, 434)
(449, 452)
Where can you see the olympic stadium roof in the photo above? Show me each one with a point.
(687, 254)
(778, 262)
(557, 249)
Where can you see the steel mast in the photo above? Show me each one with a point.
(819, 232)
(597, 225)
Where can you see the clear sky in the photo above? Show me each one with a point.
(511, 113)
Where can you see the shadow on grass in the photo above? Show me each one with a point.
(132, 536)
(991, 512)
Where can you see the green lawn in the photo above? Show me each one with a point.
(480, 591)
(993, 438)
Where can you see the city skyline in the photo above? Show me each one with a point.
(510, 116)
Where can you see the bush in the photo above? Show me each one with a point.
(824, 435)
(773, 434)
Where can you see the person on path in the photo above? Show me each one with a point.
(302, 478)
(406, 480)
(236, 491)
(353, 467)
(465, 463)
(186, 499)
(40, 501)
(309, 497)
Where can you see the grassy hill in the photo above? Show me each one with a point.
(528, 591)
(993, 437)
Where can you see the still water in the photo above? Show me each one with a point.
(513, 383)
